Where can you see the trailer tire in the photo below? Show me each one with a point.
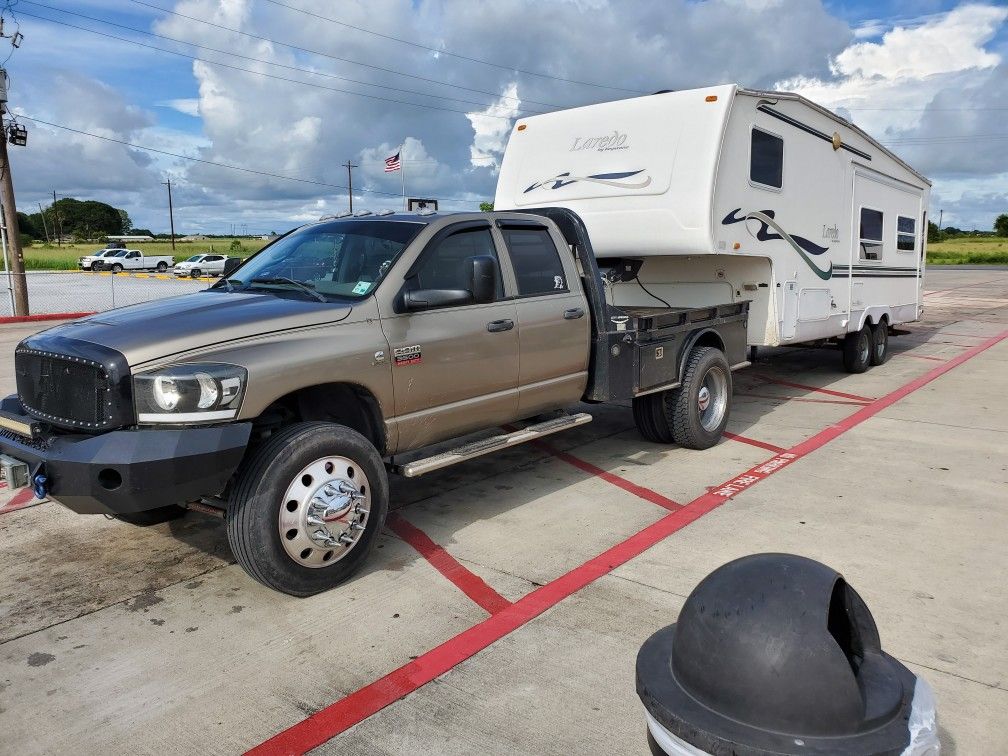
(701, 405)
(162, 266)
(152, 516)
(282, 484)
(880, 343)
(653, 418)
(857, 350)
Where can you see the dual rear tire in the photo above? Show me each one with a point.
(695, 414)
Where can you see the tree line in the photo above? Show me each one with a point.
(79, 220)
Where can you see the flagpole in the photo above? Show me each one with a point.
(402, 170)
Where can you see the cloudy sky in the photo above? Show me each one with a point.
(294, 88)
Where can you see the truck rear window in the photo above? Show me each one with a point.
(536, 261)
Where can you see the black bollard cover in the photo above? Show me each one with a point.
(776, 653)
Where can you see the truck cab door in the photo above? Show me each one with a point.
(454, 366)
(554, 325)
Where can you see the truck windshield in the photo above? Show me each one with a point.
(345, 258)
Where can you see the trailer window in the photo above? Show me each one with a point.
(906, 235)
(766, 159)
(536, 261)
(871, 234)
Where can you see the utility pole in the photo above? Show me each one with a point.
(56, 221)
(171, 214)
(45, 226)
(349, 175)
(19, 284)
(940, 212)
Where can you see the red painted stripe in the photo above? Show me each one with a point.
(919, 356)
(956, 288)
(470, 584)
(44, 316)
(799, 399)
(645, 493)
(358, 706)
(753, 442)
(817, 389)
(20, 500)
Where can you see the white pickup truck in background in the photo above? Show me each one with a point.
(133, 259)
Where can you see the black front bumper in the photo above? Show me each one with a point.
(132, 470)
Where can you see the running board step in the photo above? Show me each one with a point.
(492, 444)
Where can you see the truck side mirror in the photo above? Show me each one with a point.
(230, 265)
(483, 273)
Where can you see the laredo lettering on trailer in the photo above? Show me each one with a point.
(607, 143)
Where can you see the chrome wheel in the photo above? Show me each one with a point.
(712, 399)
(325, 511)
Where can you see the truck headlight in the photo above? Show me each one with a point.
(196, 393)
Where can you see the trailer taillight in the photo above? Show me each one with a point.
(710, 98)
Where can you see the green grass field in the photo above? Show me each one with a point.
(42, 257)
(965, 250)
(969, 250)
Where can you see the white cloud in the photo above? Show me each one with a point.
(491, 128)
(186, 105)
(951, 42)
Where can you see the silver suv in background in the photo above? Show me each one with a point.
(199, 265)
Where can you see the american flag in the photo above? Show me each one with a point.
(392, 164)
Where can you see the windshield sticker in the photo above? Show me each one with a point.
(362, 287)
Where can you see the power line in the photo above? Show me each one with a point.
(222, 165)
(260, 60)
(259, 73)
(332, 57)
(439, 51)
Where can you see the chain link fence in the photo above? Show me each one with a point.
(58, 292)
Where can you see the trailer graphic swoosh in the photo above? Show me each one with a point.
(799, 244)
(607, 179)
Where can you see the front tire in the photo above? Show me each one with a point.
(880, 343)
(701, 405)
(307, 508)
(117, 268)
(857, 350)
(196, 273)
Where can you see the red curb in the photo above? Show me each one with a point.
(43, 317)
(340, 716)
(470, 584)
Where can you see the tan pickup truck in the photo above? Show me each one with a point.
(282, 397)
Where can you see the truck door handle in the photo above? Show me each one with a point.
(495, 326)
(573, 314)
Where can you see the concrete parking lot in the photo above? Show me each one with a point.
(504, 606)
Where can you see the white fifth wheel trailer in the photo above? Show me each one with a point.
(725, 194)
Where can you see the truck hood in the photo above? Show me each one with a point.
(166, 327)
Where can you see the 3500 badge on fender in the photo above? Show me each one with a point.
(407, 355)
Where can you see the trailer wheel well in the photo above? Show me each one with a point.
(344, 403)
